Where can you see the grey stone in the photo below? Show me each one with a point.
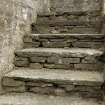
(69, 20)
(36, 99)
(46, 52)
(68, 87)
(87, 78)
(21, 62)
(11, 82)
(88, 44)
(44, 90)
(58, 60)
(98, 67)
(27, 39)
(19, 89)
(38, 84)
(60, 92)
(65, 29)
(58, 66)
(90, 59)
(56, 44)
(75, 6)
(37, 59)
(36, 66)
(31, 44)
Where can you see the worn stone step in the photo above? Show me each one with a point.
(70, 6)
(64, 40)
(35, 99)
(54, 82)
(59, 58)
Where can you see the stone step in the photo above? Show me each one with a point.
(35, 99)
(54, 82)
(69, 20)
(59, 58)
(64, 40)
(70, 6)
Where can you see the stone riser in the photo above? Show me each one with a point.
(64, 29)
(69, 20)
(68, 6)
(59, 62)
(51, 88)
(68, 23)
(64, 41)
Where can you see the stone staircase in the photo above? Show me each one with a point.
(60, 58)
(50, 64)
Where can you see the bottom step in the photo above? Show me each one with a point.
(34, 99)
(54, 82)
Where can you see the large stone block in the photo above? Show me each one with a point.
(37, 59)
(98, 67)
(36, 66)
(59, 60)
(56, 44)
(21, 62)
(59, 66)
(90, 59)
(64, 29)
(31, 44)
(42, 90)
(38, 84)
(10, 82)
(85, 44)
(20, 89)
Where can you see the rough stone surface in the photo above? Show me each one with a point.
(74, 16)
(54, 19)
(65, 40)
(12, 82)
(50, 51)
(20, 62)
(59, 66)
(87, 84)
(52, 58)
(64, 29)
(37, 59)
(34, 99)
(20, 89)
(15, 19)
(84, 77)
(70, 6)
(98, 67)
(36, 66)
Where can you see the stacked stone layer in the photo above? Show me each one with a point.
(68, 23)
(50, 58)
(65, 41)
(50, 83)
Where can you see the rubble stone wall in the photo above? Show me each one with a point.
(15, 19)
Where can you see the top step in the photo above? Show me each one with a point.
(57, 7)
(68, 16)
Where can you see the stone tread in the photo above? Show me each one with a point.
(76, 51)
(34, 99)
(99, 35)
(64, 76)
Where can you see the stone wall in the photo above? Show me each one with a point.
(69, 16)
(15, 19)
